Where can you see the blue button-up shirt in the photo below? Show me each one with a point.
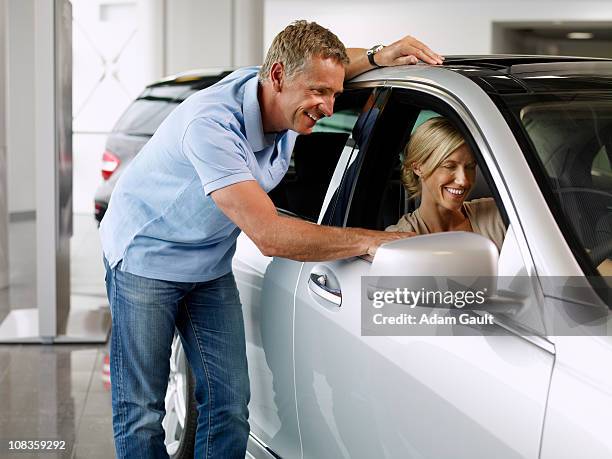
(161, 222)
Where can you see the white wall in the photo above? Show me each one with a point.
(212, 34)
(248, 29)
(448, 27)
(198, 34)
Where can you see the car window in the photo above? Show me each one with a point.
(341, 122)
(314, 159)
(380, 197)
(424, 115)
(341, 189)
(144, 116)
(312, 165)
(571, 141)
(180, 92)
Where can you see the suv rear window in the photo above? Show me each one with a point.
(144, 116)
(180, 92)
(146, 113)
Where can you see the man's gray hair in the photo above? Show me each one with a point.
(297, 43)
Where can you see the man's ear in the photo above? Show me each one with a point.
(277, 76)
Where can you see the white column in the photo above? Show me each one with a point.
(45, 145)
(151, 38)
(4, 267)
(247, 27)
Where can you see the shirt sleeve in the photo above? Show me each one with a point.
(218, 153)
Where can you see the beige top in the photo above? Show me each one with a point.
(482, 213)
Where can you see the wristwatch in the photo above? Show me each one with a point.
(370, 53)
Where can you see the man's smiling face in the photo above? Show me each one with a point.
(309, 95)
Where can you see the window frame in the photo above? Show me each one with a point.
(419, 103)
(342, 183)
(450, 106)
(479, 143)
(505, 105)
(126, 126)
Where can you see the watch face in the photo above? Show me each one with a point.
(371, 52)
(374, 49)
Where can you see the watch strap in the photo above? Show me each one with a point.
(371, 52)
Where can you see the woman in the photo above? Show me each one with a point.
(440, 166)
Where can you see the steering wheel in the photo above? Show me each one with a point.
(602, 250)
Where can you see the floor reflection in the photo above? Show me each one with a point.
(55, 391)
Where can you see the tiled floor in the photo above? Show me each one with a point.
(55, 392)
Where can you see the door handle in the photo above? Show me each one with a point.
(318, 285)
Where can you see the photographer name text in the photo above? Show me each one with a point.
(433, 319)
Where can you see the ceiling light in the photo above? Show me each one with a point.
(580, 35)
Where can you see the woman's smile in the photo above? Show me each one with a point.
(454, 178)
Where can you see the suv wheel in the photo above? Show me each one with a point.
(181, 418)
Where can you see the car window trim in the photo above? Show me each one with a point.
(467, 118)
(382, 94)
(493, 166)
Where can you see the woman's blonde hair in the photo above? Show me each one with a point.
(297, 43)
(430, 144)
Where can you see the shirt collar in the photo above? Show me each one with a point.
(252, 118)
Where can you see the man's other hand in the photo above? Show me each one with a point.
(407, 50)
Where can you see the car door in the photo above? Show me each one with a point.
(267, 285)
(482, 395)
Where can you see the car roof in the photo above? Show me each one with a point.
(506, 74)
(495, 73)
(192, 77)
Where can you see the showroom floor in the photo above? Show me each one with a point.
(57, 392)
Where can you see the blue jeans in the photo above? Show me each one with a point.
(208, 317)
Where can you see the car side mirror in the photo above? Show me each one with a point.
(458, 259)
(451, 254)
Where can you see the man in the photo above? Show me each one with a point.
(170, 232)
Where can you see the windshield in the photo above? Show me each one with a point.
(572, 138)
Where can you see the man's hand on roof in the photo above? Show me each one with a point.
(407, 50)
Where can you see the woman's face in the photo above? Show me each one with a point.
(451, 181)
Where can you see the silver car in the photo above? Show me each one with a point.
(536, 382)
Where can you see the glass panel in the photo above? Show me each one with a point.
(169, 92)
(342, 121)
(143, 117)
(572, 140)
